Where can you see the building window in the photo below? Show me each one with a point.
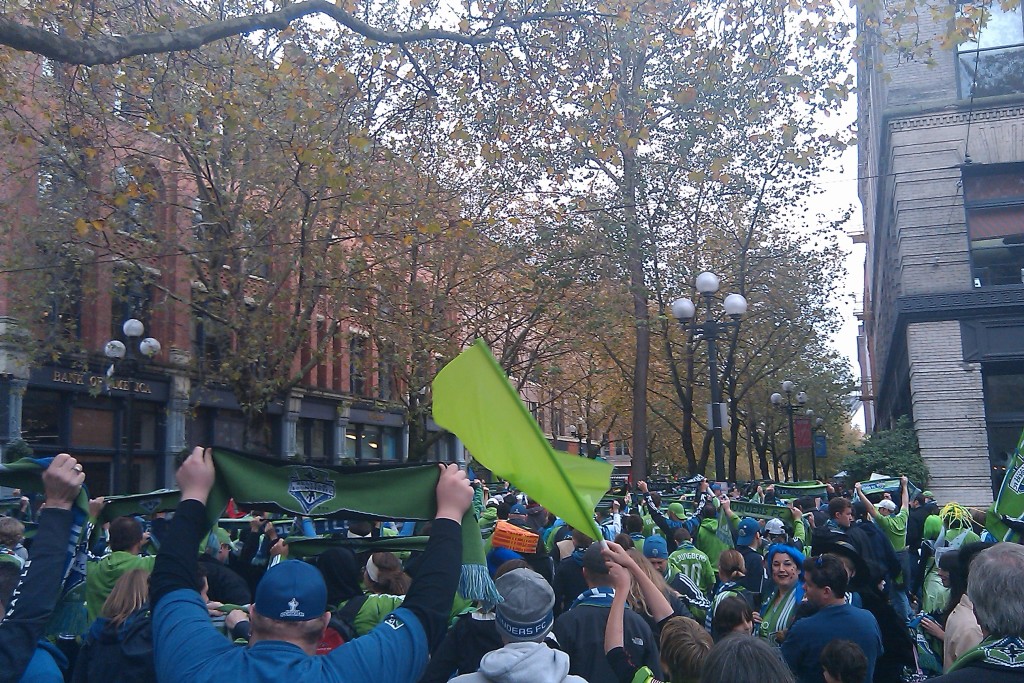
(993, 64)
(41, 417)
(314, 439)
(92, 428)
(357, 365)
(135, 194)
(132, 298)
(994, 204)
(386, 355)
(369, 443)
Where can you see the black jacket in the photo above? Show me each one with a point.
(461, 650)
(224, 584)
(36, 594)
(580, 633)
(567, 584)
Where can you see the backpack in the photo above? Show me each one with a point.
(341, 628)
(122, 655)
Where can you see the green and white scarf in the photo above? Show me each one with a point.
(1004, 653)
(778, 615)
(399, 492)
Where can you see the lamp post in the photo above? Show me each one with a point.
(816, 424)
(125, 361)
(684, 311)
(578, 433)
(786, 403)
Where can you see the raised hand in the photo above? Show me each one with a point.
(62, 481)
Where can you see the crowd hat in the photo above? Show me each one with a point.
(887, 505)
(749, 528)
(677, 509)
(526, 611)
(655, 548)
(774, 527)
(291, 591)
(518, 509)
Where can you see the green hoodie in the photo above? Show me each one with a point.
(101, 576)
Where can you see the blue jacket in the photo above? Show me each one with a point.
(808, 637)
(46, 665)
(189, 648)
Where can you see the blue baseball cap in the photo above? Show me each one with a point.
(518, 509)
(655, 548)
(291, 591)
(749, 527)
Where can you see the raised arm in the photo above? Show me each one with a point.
(177, 563)
(37, 592)
(656, 601)
(867, 503)
(904, 494)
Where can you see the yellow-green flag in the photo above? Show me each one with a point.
(474, 400)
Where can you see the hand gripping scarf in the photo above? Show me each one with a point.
(399, 492)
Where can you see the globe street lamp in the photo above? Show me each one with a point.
(684, 310)
(125, 362)
(786, 403)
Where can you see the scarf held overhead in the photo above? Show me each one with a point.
(400, 492)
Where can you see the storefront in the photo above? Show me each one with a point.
(105, 422)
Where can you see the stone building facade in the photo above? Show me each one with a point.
(941, 181)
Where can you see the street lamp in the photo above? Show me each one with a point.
(576, 432)
(684, 311)
(125, 363)
(816, 424)
(786, 403)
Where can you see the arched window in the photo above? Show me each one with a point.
(136, 192)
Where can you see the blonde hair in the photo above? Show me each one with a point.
(636, 595)
(11, 531)
(130, 592)
(684, 645)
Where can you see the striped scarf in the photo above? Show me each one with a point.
(778, 615)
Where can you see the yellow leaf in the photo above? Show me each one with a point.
(90, 152)
(75, 131)
(82, 227)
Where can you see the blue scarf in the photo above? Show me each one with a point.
(599, 596)
(577, 556)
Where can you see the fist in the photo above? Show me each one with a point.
(196, 475)
(454, 493)
(62, 481)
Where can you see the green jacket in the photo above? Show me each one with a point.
(101, 576)
(708, 541)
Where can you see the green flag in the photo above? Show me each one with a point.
(474, 400)
(1010, 501)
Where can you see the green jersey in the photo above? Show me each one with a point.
(694, 564)
(895, 528)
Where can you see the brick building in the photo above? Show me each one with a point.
(941, 180)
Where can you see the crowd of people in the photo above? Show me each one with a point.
(836, 588)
